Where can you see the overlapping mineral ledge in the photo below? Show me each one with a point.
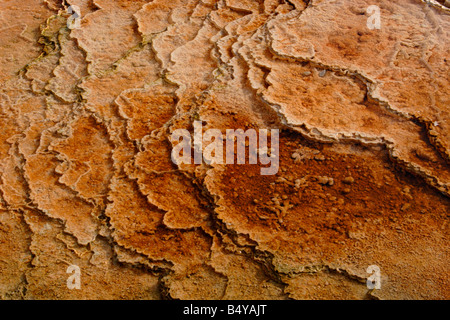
(87, 180)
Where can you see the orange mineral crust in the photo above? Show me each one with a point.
(115, 117)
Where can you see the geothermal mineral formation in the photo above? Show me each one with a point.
(347, 100)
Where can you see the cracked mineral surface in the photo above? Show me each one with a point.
(91, 92)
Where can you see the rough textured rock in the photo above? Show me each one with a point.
(87, 179)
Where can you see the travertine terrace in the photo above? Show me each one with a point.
(87, 113)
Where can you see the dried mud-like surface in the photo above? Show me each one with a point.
(86, 117)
